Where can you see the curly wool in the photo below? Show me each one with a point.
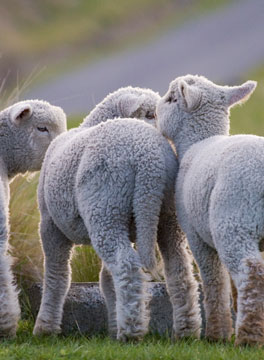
(219, 199)
(101, 184)
(22, 147)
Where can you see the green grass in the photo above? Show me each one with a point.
(27, 347)
(249, 117)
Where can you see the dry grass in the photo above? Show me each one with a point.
(24, 237)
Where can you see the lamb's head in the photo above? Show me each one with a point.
(29, 127)
(137, 103)
(195, 104)
(127, 102)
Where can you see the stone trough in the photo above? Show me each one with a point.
(85, 310)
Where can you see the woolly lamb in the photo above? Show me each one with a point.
(26, 130)
(219, 199)
(107, 183)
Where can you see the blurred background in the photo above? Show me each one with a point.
(72, 53)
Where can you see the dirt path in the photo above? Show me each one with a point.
(222, 46)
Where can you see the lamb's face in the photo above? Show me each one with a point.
(138, 103)
(146, 108)
(35, 124)
(192, 99)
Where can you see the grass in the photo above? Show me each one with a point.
(27, 347)
(249, 117)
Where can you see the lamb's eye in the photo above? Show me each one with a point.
(42, 129)
(149, 115)
(171, 99)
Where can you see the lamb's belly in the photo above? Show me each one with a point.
(199, 220)
(75, 230)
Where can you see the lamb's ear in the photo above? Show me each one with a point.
(20, 112)
(130, 104)
(239, 94)
(190, 93)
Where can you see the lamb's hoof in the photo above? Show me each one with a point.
(8, 332)
(186, 335)
(213, 337)
(125, 336)
(112, 333)
(249, 338)
(187, 332)
(218, 333)
(43, 328)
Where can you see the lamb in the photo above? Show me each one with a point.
(26, 130)
(219, 200)
(104, 184)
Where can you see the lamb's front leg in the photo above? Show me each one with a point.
(9, 305)
(108, 291)
(216, 287)
(180, 281)
(57, 278)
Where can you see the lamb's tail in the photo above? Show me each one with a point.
(147, 202)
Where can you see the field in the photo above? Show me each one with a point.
(78, 347)
(249, 117)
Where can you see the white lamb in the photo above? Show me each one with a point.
(105, 185)
(219, 200)
(26, 130)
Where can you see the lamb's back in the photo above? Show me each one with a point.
(215, 168)
(80, 167)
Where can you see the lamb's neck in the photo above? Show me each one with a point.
(12, 160)
(101, 113)
(183, 143)
(187, 137)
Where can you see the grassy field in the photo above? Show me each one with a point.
(249, 118)
(27, 347)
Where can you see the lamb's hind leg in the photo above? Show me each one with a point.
(57, 277)
(181, 284)
(112, 244)
(216, 287)
(246, 267)
(250, 315)
(108, 291)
